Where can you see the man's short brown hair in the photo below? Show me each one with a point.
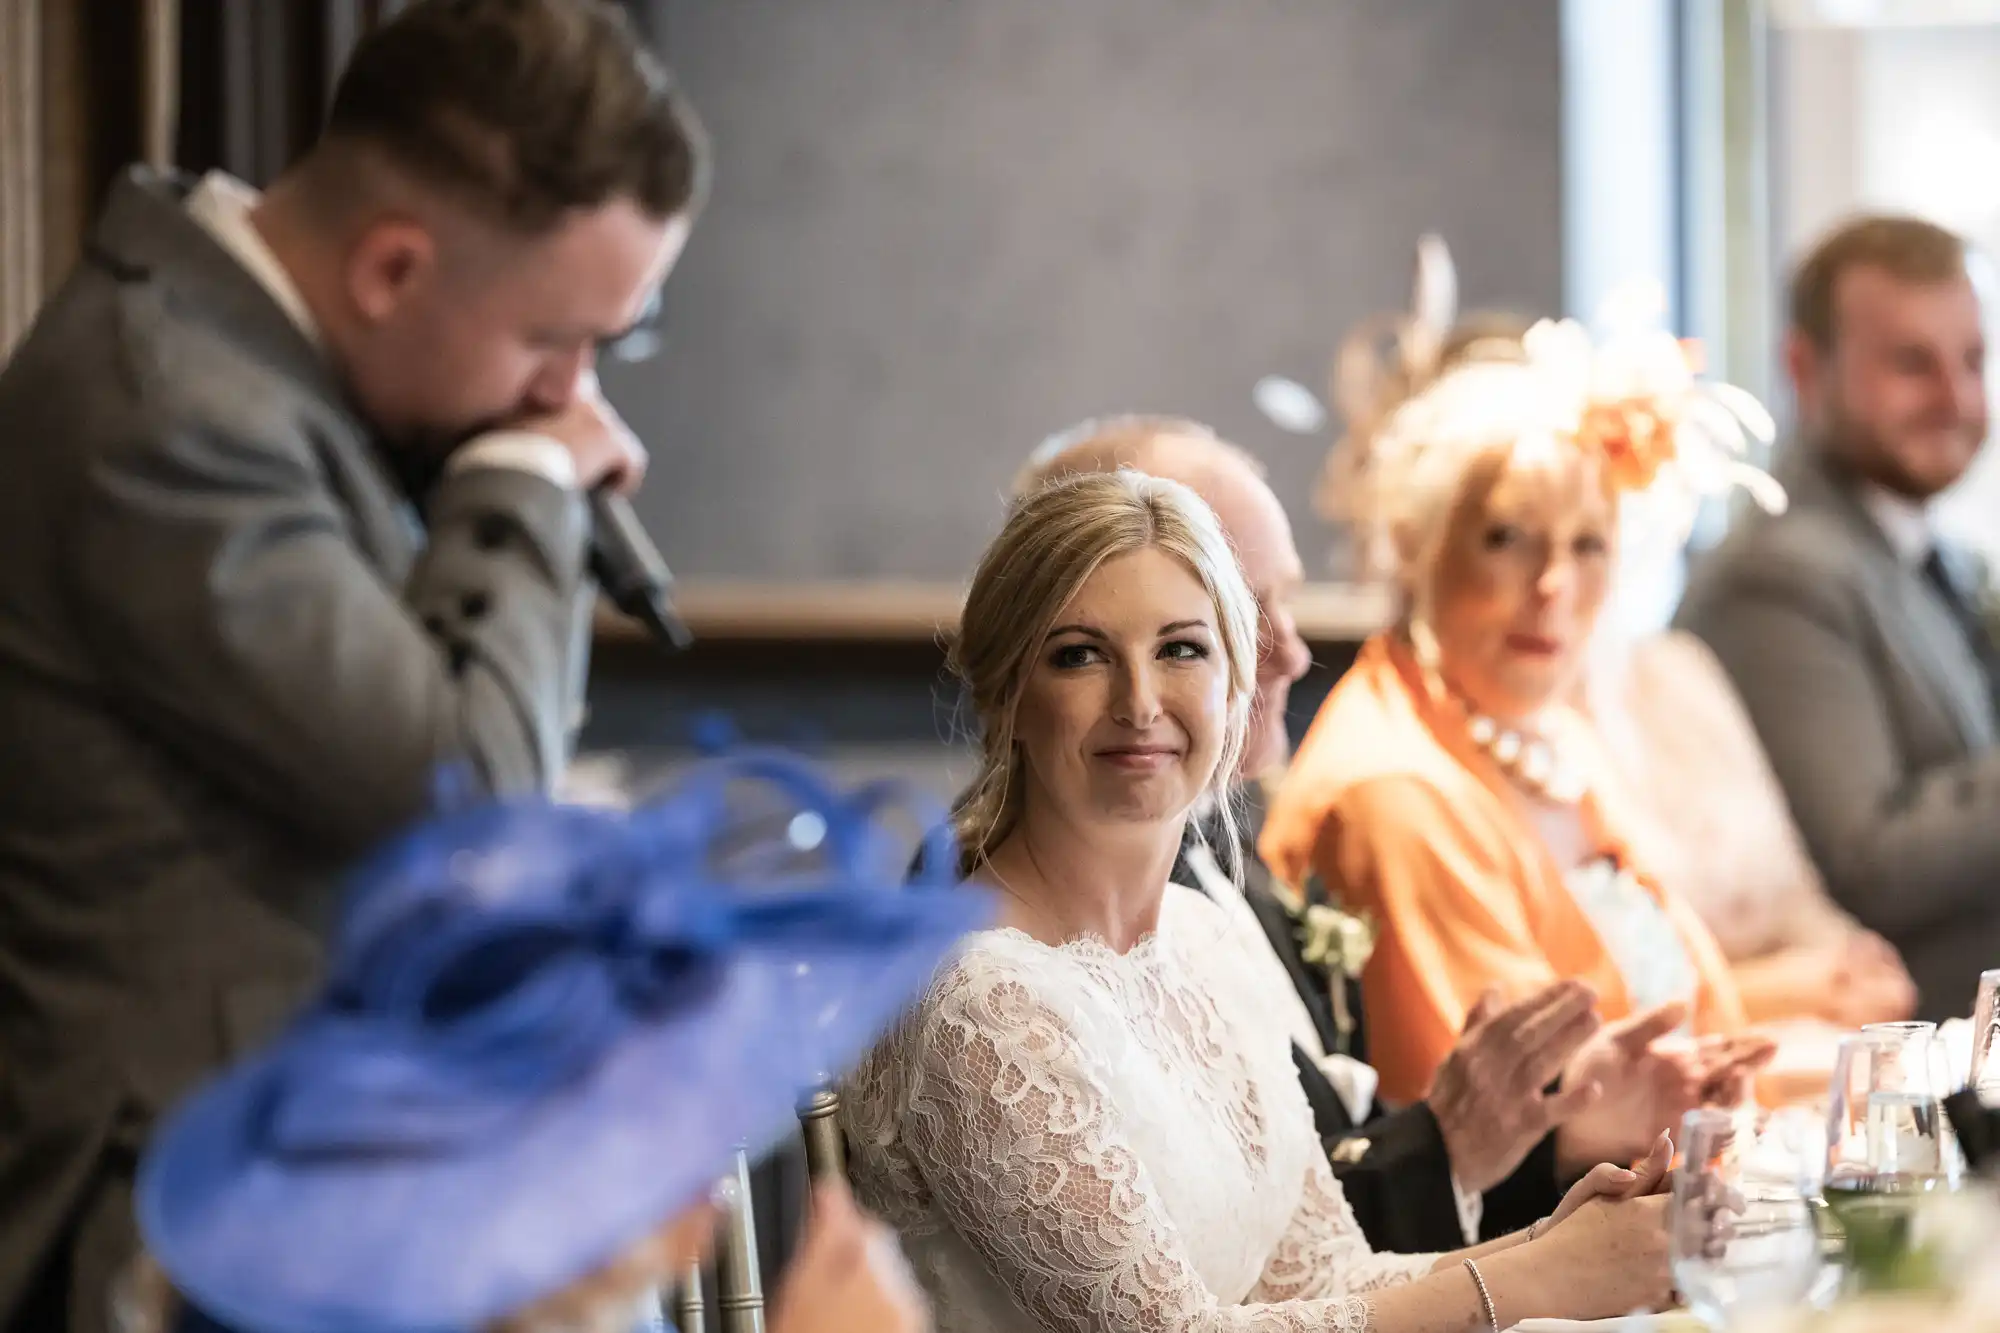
(1906, 248)
(525, 108)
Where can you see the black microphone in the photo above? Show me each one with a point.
(628, 567)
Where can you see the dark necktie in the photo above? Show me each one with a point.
(1970, 622)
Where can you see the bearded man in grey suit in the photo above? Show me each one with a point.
(1856, 633)
(294, 522)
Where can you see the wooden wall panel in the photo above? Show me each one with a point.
(86, 86)
(20, 167)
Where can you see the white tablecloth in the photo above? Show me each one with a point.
(1677, 1322)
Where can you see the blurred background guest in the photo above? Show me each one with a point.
(1706, 811)
(1446, 787)
(1859, 636)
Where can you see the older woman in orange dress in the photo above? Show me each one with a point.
(1707, 815)
(1447, 786)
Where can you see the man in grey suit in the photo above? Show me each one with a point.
(294, 523)
(1858, 637)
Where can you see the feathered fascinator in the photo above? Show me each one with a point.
(1383, 362)
(1666, 438)
(544, 1034)
(1425, 394)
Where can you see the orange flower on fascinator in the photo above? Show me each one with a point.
(1636, 400)
(1633, 436)
(1637, 432)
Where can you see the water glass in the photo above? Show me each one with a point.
(1909, 1134)
(1742, 1242)
(1888, 1146)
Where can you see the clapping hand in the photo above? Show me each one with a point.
(1869, 983)
(1648, 1083)
(1727, 1066)
(1490, 1095)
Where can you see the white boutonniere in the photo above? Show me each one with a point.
(1337, 940)
(1341, 943)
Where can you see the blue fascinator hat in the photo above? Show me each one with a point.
(544, 1033)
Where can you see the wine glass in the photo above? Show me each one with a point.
(1742, 1240)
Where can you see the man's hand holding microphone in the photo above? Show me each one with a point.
(610, 464)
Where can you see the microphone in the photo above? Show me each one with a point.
(628, 567)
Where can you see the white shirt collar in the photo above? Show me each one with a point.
(221, 204)
(1905, 522)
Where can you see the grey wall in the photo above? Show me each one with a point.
(942, 228)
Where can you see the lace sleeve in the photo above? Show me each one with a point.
(1024, 1153)
(1324, 1253)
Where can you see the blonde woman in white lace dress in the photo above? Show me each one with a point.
(1090, 1124)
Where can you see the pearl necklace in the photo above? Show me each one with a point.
(1529, 759)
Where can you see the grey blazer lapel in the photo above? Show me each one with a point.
(1919, 631)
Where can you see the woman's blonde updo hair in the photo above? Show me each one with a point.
(1436, 448)
(1055, 538)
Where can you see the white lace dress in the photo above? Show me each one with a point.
(1072, 1140)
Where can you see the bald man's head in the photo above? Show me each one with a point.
(1177, 448)
(1231, 480)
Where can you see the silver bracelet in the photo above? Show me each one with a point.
(1485, 1296)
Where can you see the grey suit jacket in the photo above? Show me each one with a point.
(230, 661)
(1878, 720)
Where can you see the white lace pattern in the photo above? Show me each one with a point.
(1078, 1141)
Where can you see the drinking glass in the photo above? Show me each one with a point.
(1887, 1145)
(1985, 1075)
(1742, 1239)
(1923, 1066)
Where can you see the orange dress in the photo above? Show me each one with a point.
(1407, 820)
